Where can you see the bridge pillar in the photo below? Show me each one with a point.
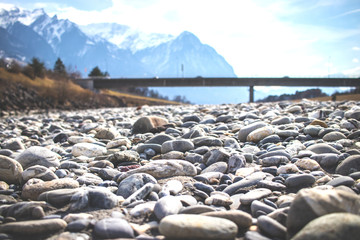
(251, 94)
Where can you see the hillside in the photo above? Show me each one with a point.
(19, 93)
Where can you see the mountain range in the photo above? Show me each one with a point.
(117, 49)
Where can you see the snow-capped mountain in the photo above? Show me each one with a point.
(117, 49)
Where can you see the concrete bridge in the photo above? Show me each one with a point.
(114, 83)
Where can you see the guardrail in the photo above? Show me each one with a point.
(113, 83)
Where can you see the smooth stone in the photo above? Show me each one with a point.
(300, 181)
(259, 134)
(307, 164)
(252, 235)
(89, 179)
(273, 186)
(342, 180)
(39, 172)
(274, 161)
(219, 199)
(10, 170)
(168, 205)
(253, 195)
(287, 133)
(190, 226)
(187, 200)
(80, 139)
(160, 139)
(38, 156)
(326, 160)
(294, 109)
(78, 225)
(177, 145)
(13, 144)
(34, 187)
(349, 165)
(196, 209)
(109, 228)
(207, 141)
(281, 121)
(34, 227)
(22, 211)
(242, 219)
(58, 197)
(246, 130)
(164, 168)
(313, 203)
(118, 143)
(320, 148)
(143, 210)
(244, 183)
(88, 150)
(331, 227)
(146, 124)
(216, 167)
(275, 153)
(312, 130)
(271, 227)
(333, 136)
(256, 206)
(141, 147)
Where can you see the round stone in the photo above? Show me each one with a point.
(38, 156)
(109, 228)
(349, 165)
(33, 227)
(168, 205)
(242, 219)
(246, 130)
(40, 172)
(259, 134)
(334, 136)
(300, 181)
(331, 227)
(145, 124)
(190, 226)
(177, 145)
(88, 150)
(10, 170)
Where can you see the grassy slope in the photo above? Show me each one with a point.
(67, 90)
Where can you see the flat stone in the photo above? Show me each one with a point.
(124, 157)
(281, 121)
(34, 227)
(242, 219)
(107, 133)
(189, 226)
(38, 156)
(140, 194)
(118, 143)
(109, 228)
(331, 227)
(10, 170)
(196, 209)
(164, 168)
(259, 134)
(326, 160)
(333, 136)
(342, 180)
(300, 181)
(34, 187)
(274, 161)
(219, 199)
(216, 167)
(207, 141)
(39, 172)
(58, 197)
(246, 130)
(273, 186)
(216, 155)
(177, 145)
(307, 164)
(320, 148)
(253, 195)
(244, 183)
(257, 206)
(134, 182)
(88, 150)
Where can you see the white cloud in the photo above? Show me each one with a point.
(356, 48)
(355, 60)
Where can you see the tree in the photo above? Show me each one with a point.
(59, 68)
(38, 67)
(96, 72)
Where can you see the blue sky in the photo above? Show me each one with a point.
(257, 37)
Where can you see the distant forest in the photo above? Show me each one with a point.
(310, 93)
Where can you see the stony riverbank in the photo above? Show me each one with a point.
(248, 171)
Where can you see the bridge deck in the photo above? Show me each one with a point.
(113, 83)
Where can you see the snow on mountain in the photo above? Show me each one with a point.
(26, 17)
(125, 37)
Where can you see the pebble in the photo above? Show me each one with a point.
(260, 170)
(189, 226)
(34, 227)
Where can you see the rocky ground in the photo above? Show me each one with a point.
(248, 171)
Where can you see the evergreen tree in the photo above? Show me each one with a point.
(96, 72)
(38, 67)
(59, 68)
